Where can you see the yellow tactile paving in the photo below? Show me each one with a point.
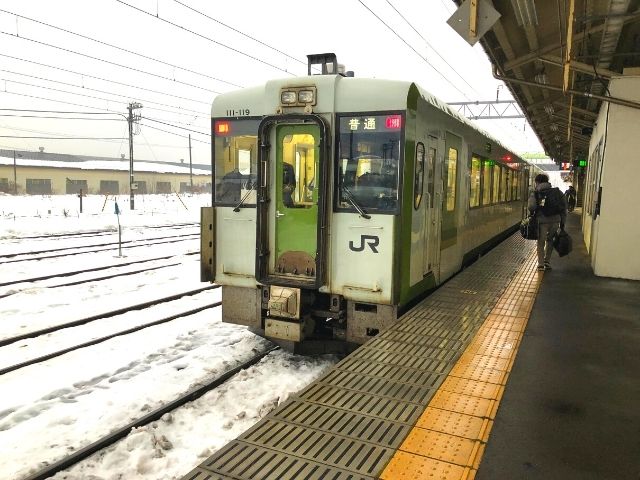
(466, 426)
(411, 467)
(476, 372)
(441, 446)
(449, 438)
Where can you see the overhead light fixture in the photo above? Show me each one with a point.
(549, 109)
(541, 78)
(553, 127)
(525, 11)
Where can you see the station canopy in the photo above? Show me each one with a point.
(557, 57)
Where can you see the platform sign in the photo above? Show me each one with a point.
(472, 29)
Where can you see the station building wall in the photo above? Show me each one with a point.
(610, 226)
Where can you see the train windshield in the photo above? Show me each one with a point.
(235, 155)
(369, 161)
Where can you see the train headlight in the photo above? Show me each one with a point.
(288, 97)
(305, 96)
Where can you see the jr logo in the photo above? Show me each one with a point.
(370, 240)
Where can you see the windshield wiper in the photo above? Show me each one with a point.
(353, 202)
(249, 187)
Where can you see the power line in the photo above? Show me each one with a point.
(59, 118)
(64, 138)
(107, 61)
(93, 90)
(174, 133)
(102, 79)
(96, 98)
(206, 38)
(52, 111)
(240, 32)
(414, 50)
(175, 126)
(60, 101)
(120, 48)
(431, 47)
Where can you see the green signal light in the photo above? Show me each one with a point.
(582, 163)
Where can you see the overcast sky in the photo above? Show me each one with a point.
(185, 52)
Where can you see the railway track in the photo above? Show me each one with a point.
(98, 233)
(112, 313)
(122, 432)
(94, 269)
(96, 341)
(126, 244)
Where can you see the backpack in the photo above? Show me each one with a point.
(550, 201)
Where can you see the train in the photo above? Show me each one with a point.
(338, 202)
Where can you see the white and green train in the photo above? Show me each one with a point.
(339, 201)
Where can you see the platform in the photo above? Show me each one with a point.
(420, 400)
(572, 406)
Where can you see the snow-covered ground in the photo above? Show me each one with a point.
(50, 409)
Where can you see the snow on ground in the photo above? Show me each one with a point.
(52, 408)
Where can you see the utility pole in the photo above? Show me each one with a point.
(190, 165)
(132, 118)
(15, 175)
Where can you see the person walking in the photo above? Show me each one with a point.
(549, 206)
(570, 195)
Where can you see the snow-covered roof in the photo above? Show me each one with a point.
(106, 164)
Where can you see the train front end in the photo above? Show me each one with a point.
(301, 234)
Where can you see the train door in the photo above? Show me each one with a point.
(296, 199)
(291, 205)
(432, 213)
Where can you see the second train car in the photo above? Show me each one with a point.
(338, 201)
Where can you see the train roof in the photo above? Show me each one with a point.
(349, 95)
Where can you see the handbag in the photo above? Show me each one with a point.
(562, 243)
(529, 227)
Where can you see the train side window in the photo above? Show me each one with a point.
(506, 184)
(514, 185)
(487, 177)
(418, 180)
(474, 184)
(496, 183)
(431, 161)
(452, 167)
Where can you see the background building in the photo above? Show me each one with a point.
(43, 173)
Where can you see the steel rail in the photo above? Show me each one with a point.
(120, 433)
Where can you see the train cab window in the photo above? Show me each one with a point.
(235, 161)
(418, 179)
(452, 167)
(369, 155)
(487, 177)
(474, 193)
(496, 183)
